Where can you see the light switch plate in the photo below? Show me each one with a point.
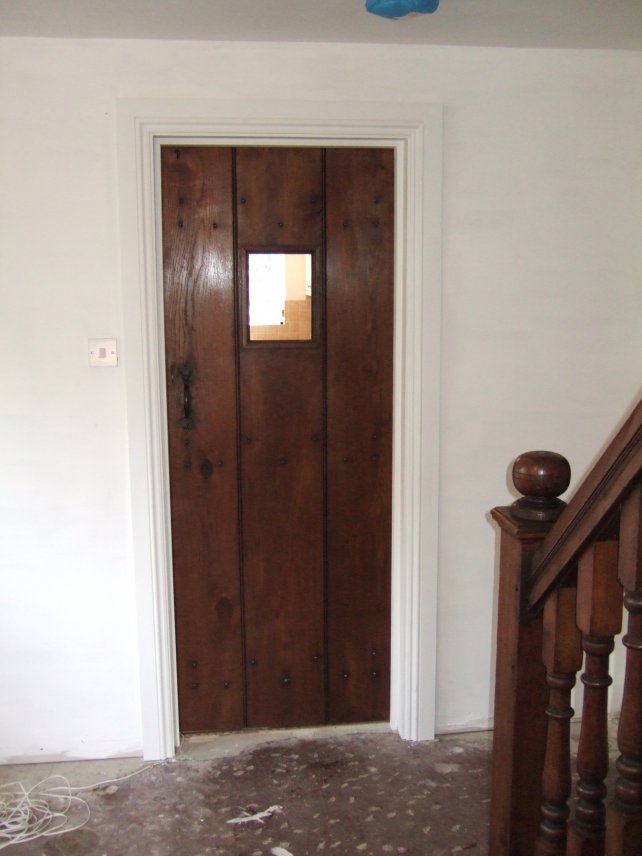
(103, 353)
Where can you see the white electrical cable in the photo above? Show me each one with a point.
(43, 809)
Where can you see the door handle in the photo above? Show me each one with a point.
(186, 371)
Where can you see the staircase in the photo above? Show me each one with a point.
(566, 572)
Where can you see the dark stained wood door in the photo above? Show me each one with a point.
(280, 448)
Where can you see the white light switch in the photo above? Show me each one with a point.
(103, 353)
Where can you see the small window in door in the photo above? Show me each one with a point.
(279, 297)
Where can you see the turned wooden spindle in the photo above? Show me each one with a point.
(521, 691)
(599, 617)
(562, 655)
(624, 823)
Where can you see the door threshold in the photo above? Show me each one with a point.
(212, 745)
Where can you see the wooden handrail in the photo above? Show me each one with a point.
(590, 508)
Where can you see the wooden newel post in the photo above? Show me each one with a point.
(521, 691)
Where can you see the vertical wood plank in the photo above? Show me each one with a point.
(199, 334)
(360, 291)
(279, 205)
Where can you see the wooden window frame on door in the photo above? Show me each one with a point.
(414, 131)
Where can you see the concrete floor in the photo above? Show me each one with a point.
(338, 790)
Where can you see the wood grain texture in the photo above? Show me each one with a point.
(360, 289)
(588, 510)
(562, 656)
(521, 692)
(199, 330)
(624, 815)
(280, 452)
(581, 544)
(279, 197)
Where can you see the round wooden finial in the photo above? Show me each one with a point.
(540, 477)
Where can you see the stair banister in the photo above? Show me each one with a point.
(564, 572)
(588, 510)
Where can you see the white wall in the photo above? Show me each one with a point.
(542, 301)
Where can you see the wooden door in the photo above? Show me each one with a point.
(280, 441)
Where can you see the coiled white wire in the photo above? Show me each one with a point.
(44, 809)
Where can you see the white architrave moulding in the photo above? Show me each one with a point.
(414, 131)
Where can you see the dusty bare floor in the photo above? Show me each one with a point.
(368, 793)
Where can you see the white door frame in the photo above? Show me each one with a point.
(414, 131)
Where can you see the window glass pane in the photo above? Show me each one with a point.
(279, 296)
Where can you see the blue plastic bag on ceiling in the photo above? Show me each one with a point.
(399, 8)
